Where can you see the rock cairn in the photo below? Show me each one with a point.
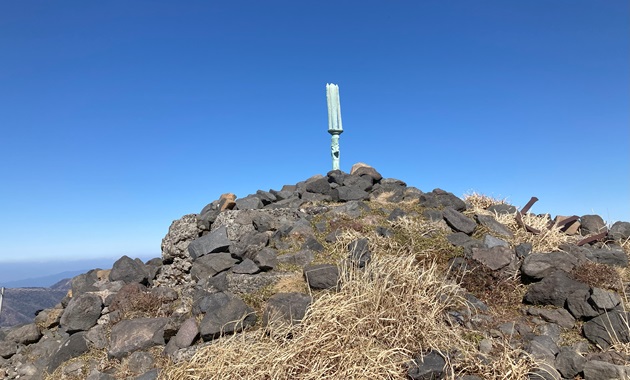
(234, 247)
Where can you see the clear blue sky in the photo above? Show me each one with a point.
(118, 117)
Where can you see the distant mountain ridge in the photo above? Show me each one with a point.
(42, 282)
(19, 305)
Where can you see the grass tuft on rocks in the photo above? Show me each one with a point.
(381, 317)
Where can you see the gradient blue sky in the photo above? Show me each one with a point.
(119, 117)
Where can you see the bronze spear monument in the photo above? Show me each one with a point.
(334, 121)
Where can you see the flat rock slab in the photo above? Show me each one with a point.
(553, 289)
(321, 276)
(458, 221)
(604, 300)
(132, 335)
(613, 256)
(602, 328)
(211, 264)
(493, 225)
(537, 266)
(286, 309)
(494, 258)
(558, 316)
(215, 241)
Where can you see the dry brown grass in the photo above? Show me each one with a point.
(370, 329)
(478, 201)
(134, 301)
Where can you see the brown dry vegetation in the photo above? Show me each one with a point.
(383, 316)
(380, 318)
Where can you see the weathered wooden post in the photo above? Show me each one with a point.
(334, 121)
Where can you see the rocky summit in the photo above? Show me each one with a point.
(344, 276)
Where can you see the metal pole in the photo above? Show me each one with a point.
(334, 121)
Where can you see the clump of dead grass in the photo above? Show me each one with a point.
(548, 240)
(381, 317)
(478, 201)
(598, 275)
(369, 329)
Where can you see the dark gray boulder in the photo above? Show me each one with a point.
(131, 335)
(129, 270)
(209, 265)
(494, 258)
(312, 244)
(249, 244)
(250, 202)
(321, 276)
(81, 313)
(8, 349)
(215, 241)
(429, 366)
(336, 176)
(493, 225)
(359, 182)
(71, 347)
(360, 253)
(591, 225)
(185, 336)
(613, 255)
(346, 193)
(396, 213)
(579, 306)
(458, 221)
(266, 259)
(246, 266)
(286, 309)
(26, 334)
(523, 250)
(536, 266)
(266, 197)
(603, 300)
(318, 186)
(490, 242)
(620, 231)
(607, 328)
(439, 198)
(366, 170)
(460, 239)
(85, 282)
(558, 316)
(388, 192)
(569, 363)
(226, 314)
(600, 370)
(553, 289)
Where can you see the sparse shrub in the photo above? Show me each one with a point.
(597, 275)
(136, 301)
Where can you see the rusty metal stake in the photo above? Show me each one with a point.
(519, 216)
(592, 238)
